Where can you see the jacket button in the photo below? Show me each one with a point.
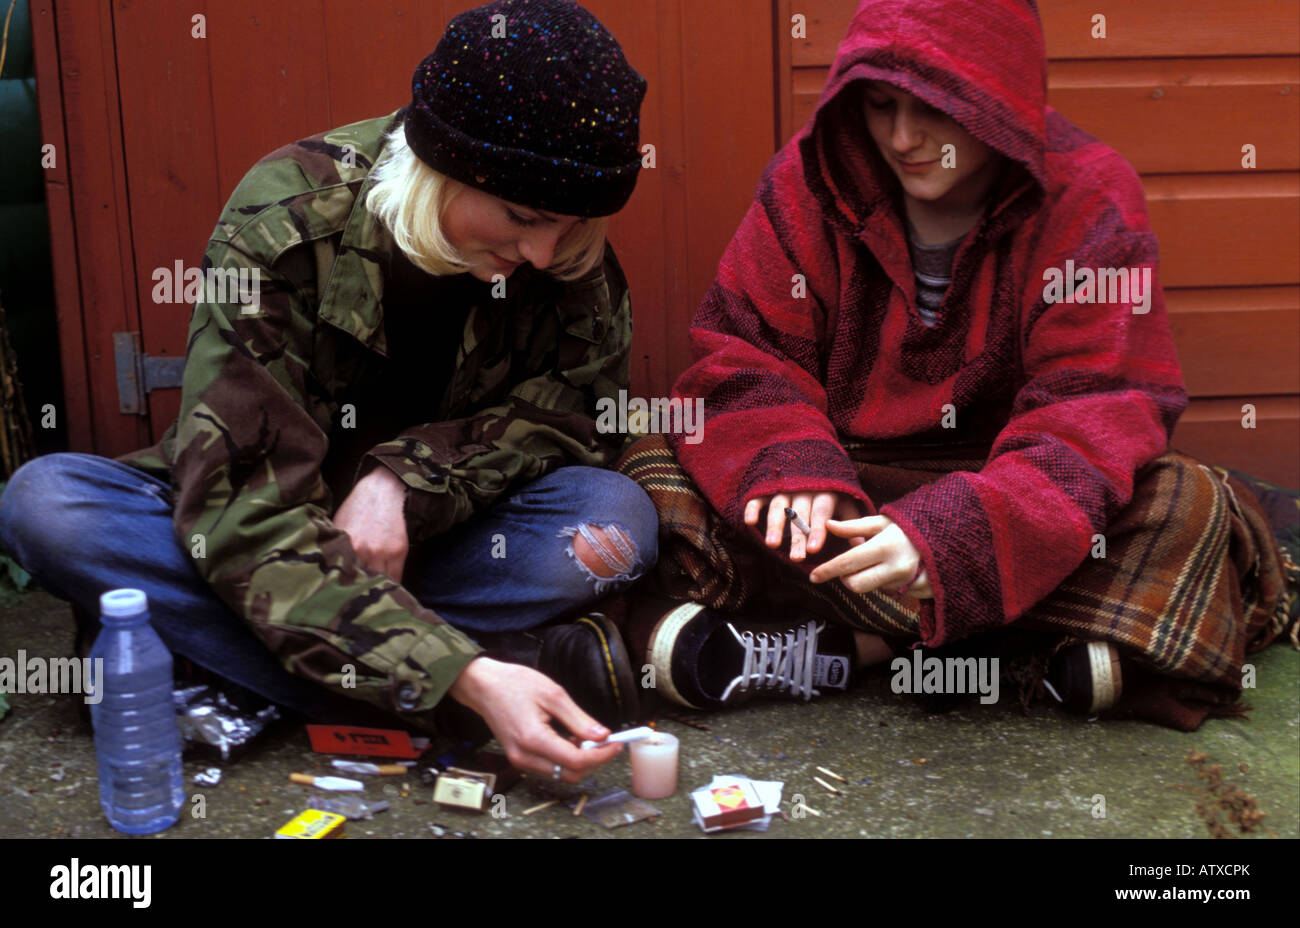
(407, 695)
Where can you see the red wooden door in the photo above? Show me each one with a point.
(161, 125)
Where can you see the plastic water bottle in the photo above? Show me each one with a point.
(137, 742)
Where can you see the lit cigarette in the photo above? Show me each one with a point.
(825, 784)
(832, 774)
(631, 734)
(797, 522)
(540, 806)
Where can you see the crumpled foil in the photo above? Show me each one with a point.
(353, 807)
(208, 717)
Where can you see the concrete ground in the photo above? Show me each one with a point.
(974, 771)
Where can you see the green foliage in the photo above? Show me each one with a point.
(14, 581)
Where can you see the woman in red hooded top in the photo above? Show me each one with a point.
(896, 348)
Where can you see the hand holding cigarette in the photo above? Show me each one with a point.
(620, 737)
(522, 707)
(797, 522)
(805, 513)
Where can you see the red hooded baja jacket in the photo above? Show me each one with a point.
(1067, 398)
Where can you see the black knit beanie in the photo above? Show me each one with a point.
(540, 109)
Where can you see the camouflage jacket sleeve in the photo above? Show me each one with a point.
(254, 511)
(567, 356)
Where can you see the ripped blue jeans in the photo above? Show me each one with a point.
(556, 545)
(547, 551)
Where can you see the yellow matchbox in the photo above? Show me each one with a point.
(312, 824)
(726, 806)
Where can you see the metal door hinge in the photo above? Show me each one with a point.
(138, 374)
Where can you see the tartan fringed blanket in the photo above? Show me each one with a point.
(1191, 580)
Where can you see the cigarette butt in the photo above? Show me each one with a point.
(582, 804)
(825, 784)
(540, 806)
(832, 774)
(302, 778)
(797, 522)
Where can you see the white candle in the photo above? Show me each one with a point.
(654, 766)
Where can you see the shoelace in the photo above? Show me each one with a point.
(778, 662)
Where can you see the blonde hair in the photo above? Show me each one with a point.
(404, 185)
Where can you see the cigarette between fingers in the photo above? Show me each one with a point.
(796, 521)
(620, 737)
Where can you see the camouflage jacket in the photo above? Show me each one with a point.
(260, 410)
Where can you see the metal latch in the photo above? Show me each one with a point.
(138, 374)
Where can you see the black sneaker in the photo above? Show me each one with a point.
(703, 661)
(586, 657)
(1086, 677)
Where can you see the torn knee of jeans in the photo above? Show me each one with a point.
(604, 553)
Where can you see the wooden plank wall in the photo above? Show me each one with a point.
(161, 126)
(1178, 87)
(76, 81)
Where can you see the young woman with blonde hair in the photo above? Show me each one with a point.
(390, 461)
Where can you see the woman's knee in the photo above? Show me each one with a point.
(615, 534)
(59, 504)
(34, 511)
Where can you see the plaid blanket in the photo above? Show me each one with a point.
(1191, 581)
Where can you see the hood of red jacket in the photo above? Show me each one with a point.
(981, 62)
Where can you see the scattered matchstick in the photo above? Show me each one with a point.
(832, 774)
(827, 785)
(540, 806)
(582, 804)
(811, 810)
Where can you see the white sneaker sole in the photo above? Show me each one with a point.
(660, 653)
(1107, 684)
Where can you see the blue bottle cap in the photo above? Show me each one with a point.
(122, 603)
